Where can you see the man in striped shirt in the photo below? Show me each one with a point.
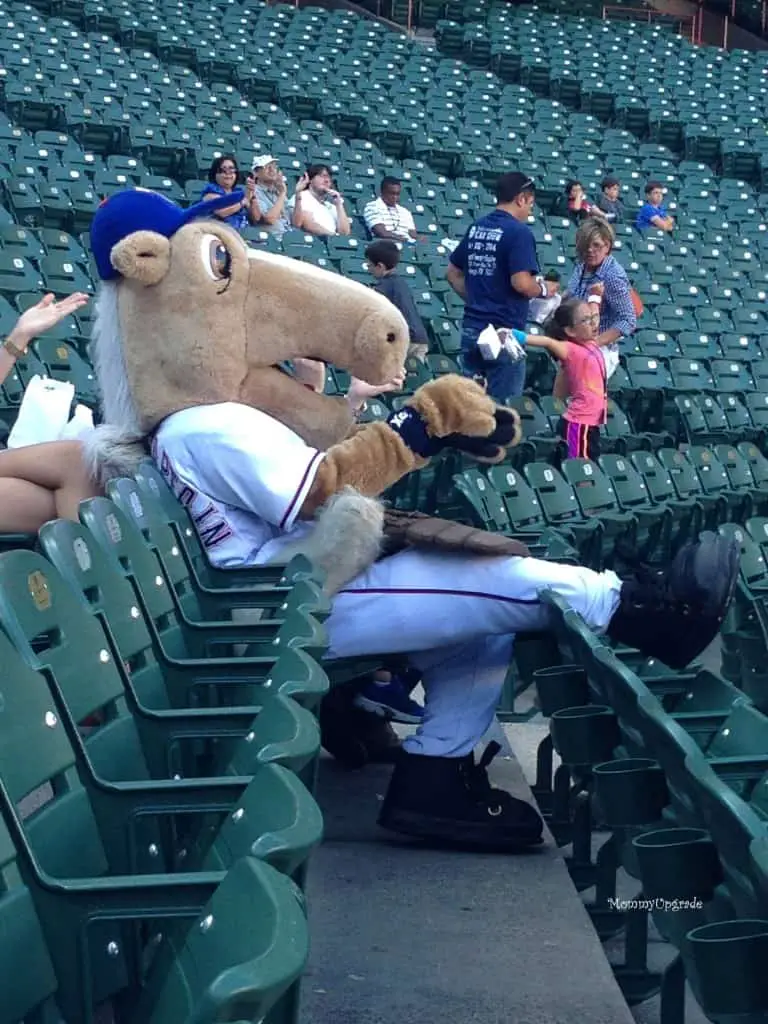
(386, 218)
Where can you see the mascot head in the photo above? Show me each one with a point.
(188, 315)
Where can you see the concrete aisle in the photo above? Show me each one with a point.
(406, 935)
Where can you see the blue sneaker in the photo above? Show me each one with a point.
(391, 701)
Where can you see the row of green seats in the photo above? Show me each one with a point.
(644, 500)
(175, 833)
(673, 767)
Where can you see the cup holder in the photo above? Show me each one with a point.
(561, 686)
(678, 864)
(584, 735)
(726, 965)
(630, 792)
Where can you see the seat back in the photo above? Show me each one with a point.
(54, 631)
(736, 413)
(93, 574)
(681, 471)
(757, 462)
(757, 404)
(713, 413)
(60, 838)
(532, 419)
(556, 497)
(484, 502)
(592, 488)
(628, 485)
(123, 541)
(736, 466)
(27, 978)
(522, 505)
(691, 415)
(711, 472)
(240, 956)
(656, 476)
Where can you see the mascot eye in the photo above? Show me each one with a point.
(221, 260)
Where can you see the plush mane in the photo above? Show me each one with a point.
(116, 448)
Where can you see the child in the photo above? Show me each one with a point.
(383, 257)
(609, 202)
(570, 339)
(653, 214)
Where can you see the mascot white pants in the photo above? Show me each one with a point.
(456, 616)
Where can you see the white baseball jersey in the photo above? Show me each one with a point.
(243, 477)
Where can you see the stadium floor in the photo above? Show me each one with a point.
(420, 936)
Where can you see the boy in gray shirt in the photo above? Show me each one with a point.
(609, 202)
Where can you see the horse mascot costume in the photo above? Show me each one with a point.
(191, 329)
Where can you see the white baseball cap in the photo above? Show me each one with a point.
(262, 160)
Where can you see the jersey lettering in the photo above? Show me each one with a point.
(212, 527)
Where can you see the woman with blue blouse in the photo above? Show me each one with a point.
(222, 178)
(594, 242)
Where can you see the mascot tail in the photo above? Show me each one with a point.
(347, 538)
(111, 452)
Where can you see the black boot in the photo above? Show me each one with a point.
(673, 614)
(451, 800)
(354, 737)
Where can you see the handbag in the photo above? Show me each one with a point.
(44, 412)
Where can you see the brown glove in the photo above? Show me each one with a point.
(414, 529)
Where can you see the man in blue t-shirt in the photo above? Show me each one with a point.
(495, 270)
(653, 213)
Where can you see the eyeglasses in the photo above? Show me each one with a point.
(590, 318)
(227, 170)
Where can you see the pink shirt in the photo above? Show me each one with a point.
(585, 371)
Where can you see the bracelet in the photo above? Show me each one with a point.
(14, 350)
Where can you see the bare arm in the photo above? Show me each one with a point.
(382, 232)
(558, 349)
(525, 283)
(343, 223)
(608, 337)
(274, 213)
(456, 280)
(36, 320)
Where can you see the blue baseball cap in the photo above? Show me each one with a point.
(139, 209)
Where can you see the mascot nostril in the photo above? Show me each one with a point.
(391, 337)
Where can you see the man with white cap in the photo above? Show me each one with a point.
(271, 192)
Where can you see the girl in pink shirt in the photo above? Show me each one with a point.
(571, 331)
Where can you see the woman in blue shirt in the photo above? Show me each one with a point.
(222, 178)
(594, 242)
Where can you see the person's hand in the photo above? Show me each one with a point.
(337, 197)
(359, 392)
(310, 372)
(282, 187)
(45, 314)
(553, 288)
(598, 289)
(303, 184)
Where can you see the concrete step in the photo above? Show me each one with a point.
(406, 934)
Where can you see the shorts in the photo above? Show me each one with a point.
(583, 440)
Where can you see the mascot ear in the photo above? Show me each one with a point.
(143, 256)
